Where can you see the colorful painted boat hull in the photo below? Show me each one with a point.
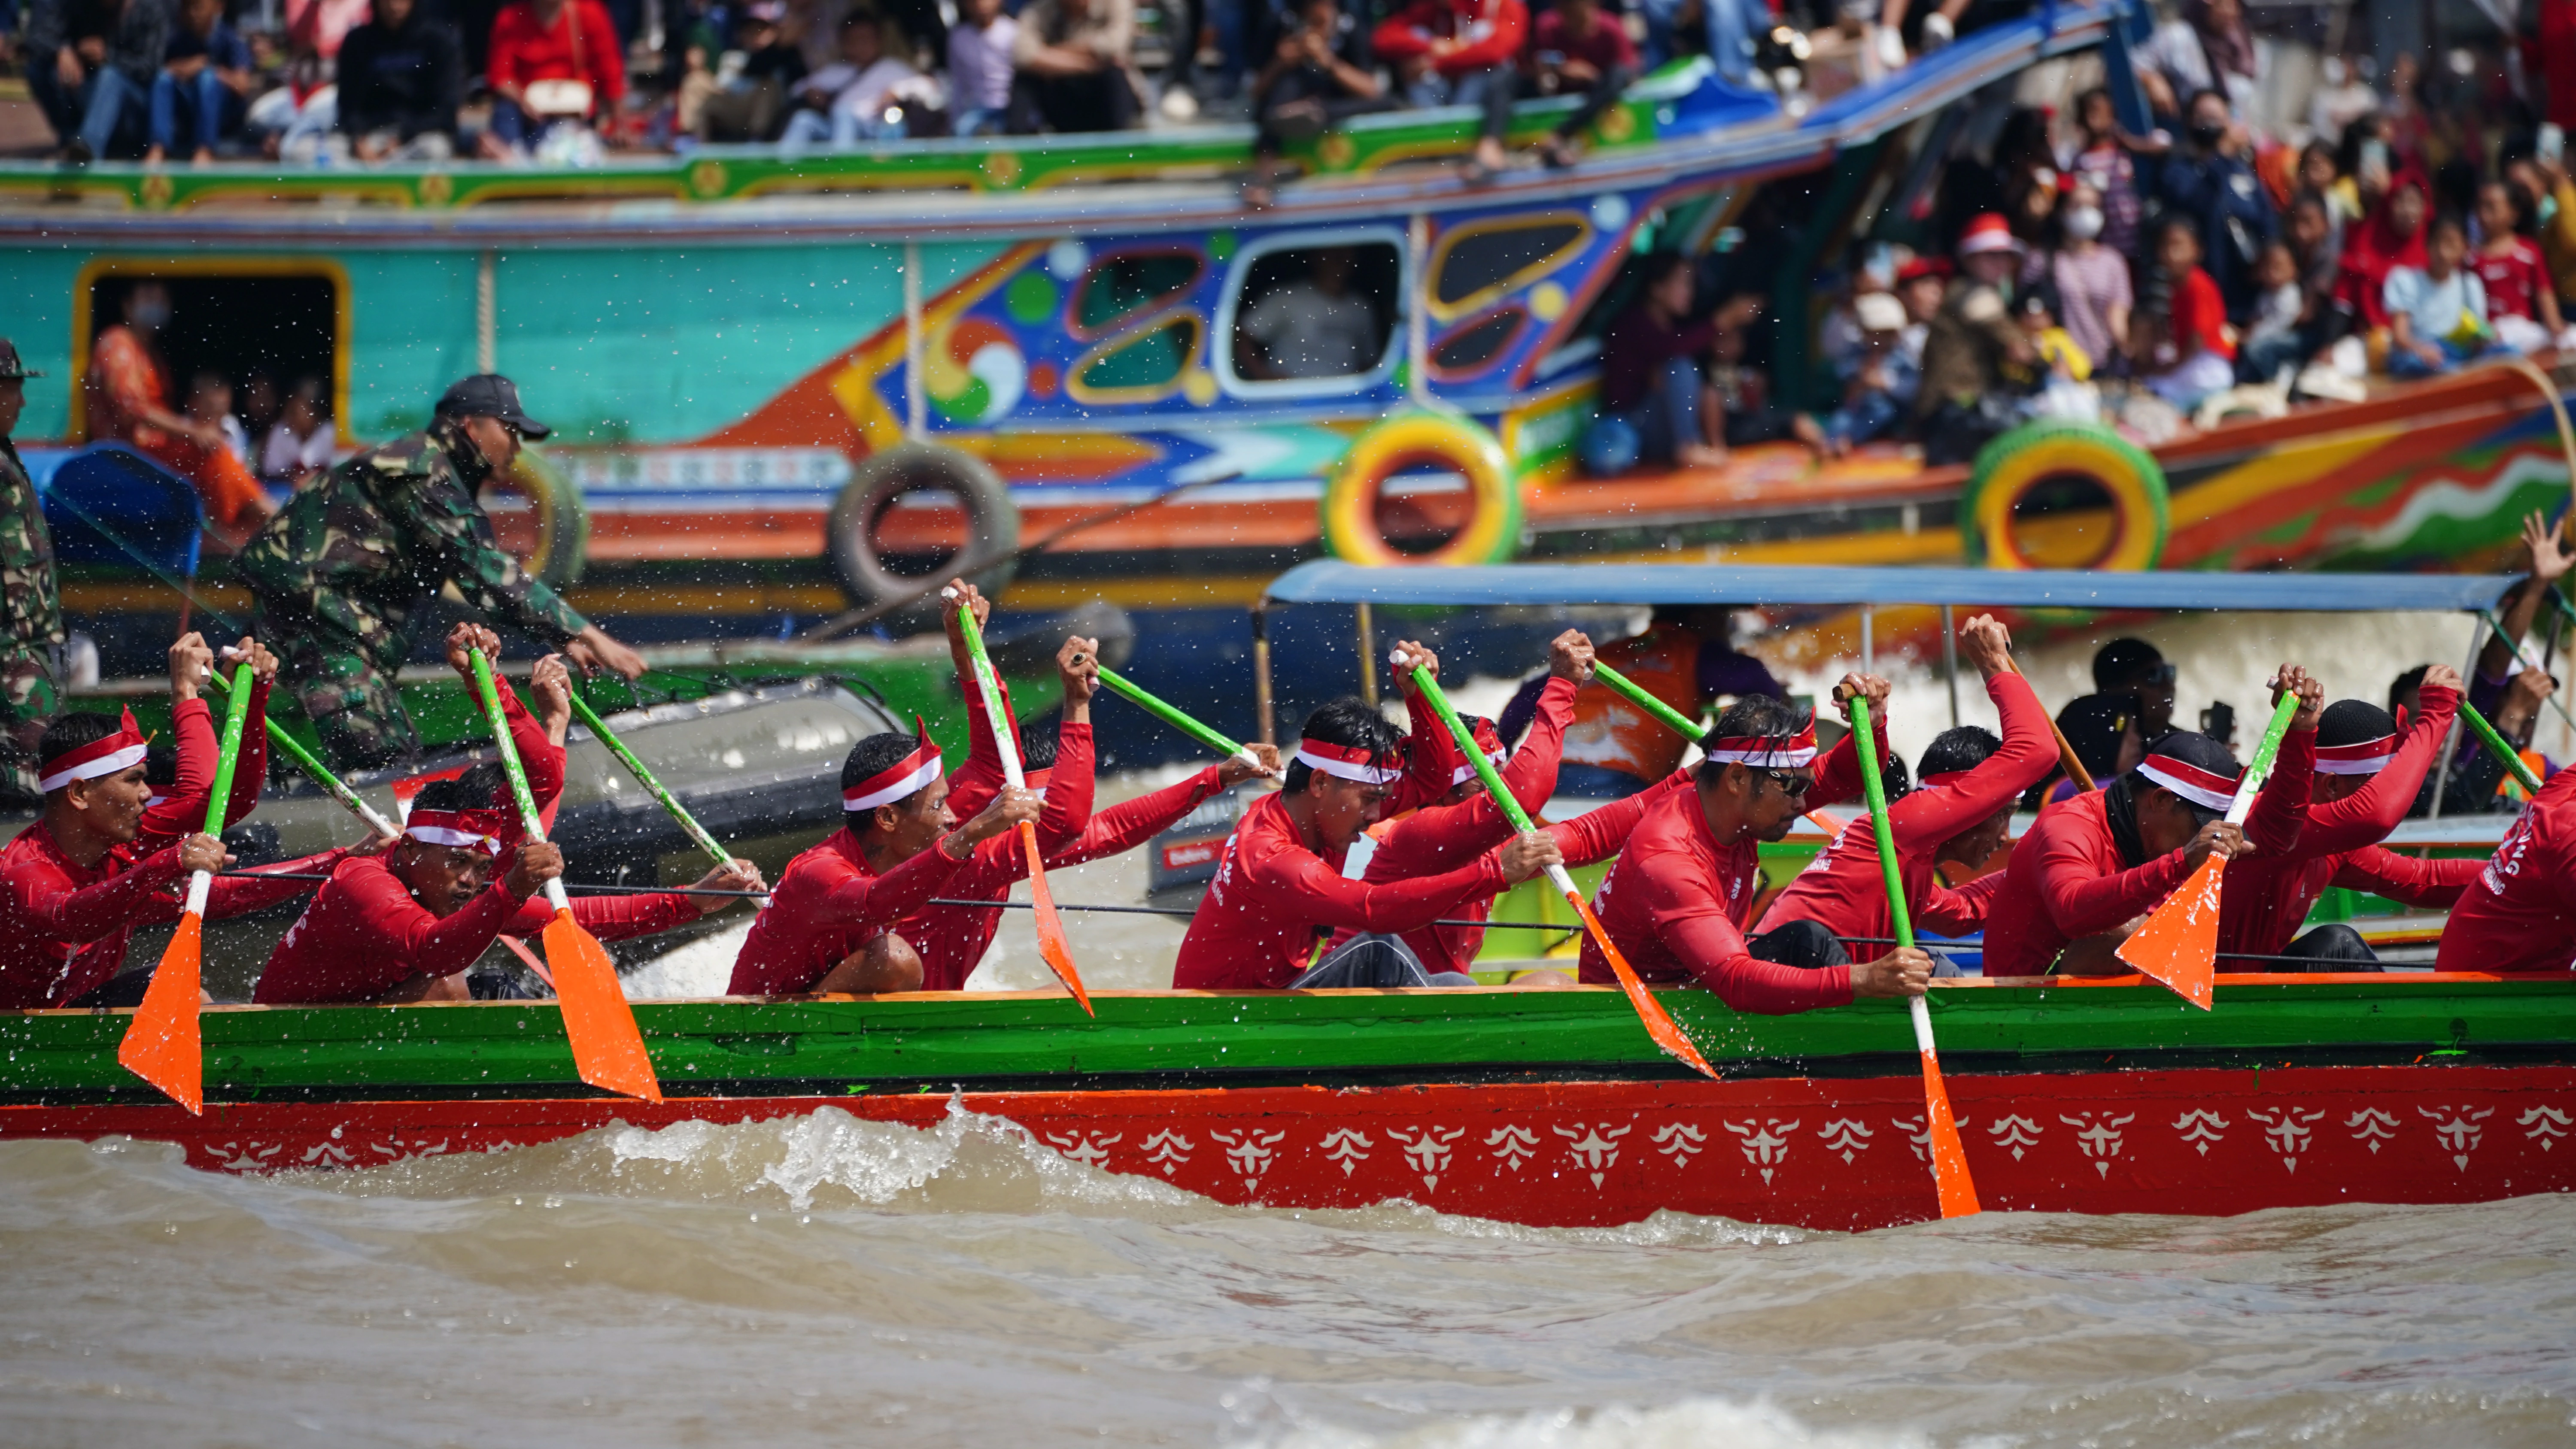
(1537, 1107)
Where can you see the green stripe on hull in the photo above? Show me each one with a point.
(719, 1048)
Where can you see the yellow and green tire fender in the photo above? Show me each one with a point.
(2048, 453)
(563, 523)
(1414, 440)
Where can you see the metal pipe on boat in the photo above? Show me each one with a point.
(915, 399)
(1261, 672)
(2451, 741)
(1367, 622)
(1950, 661)
(487, 311)
(1417, 335)
(1868, 643)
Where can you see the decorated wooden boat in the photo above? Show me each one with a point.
(1542, 1107)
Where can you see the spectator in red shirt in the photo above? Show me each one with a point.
(2522, 302)
(2197, 355)
(1460, 53)
(1576, 48)
(1653, 398)
(551, 60)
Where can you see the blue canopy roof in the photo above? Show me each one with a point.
(1328, 581)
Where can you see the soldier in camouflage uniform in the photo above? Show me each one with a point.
(35, 615)
(339, 571)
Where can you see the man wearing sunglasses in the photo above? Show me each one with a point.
(337, 574)
(1679, 899)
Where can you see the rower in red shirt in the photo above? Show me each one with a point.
(2092, 868)
(102, 860)
(1677, 901)
(2519, 914)
(407, 924)
(1969, 782)
(2366, 777)
(1280, 879)
(1465, 824)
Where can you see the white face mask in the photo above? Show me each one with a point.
(2083, 222)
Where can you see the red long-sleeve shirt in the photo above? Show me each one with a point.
(1843, 889)
(523, 50)
(364, 935)
(183, 812)
(1677, 903)
(1443, 837)
(1119, 828)
(1489, 33)
(828, 903)
(2067, 881)
(2265, 898)
(2519, 914)
(1257, 924)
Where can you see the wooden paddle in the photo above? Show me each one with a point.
(164, 1044)
(1659, 1024)
(607, 1049)
(2502, 749)
(1051, 943)
(322, 776)
(1172, 716)
(1949, 1156)
(2066, 758)
(714, 848)
(2179, 943)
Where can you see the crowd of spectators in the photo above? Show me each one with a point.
(2199, 266)
(335, 82)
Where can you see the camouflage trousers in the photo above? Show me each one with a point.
(27, 704)
(353, 705)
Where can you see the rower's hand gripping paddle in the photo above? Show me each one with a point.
(1660, 1026)
(1949, 1156)
(165, 1044)
(2179, 943)
(607, 1049)
(1051, 943)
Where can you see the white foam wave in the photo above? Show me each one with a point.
(702, 968)
(1690, 1424)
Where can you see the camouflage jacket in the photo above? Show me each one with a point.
(35, 612)
(378, 535)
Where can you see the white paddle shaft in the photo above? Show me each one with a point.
(199, 884)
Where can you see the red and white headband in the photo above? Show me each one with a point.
(900, 780)
(2368, 757)
(1350, 762)
(1489, 742)
(1768, 752)
(2190, 781)
(120, 751)
(460, 829)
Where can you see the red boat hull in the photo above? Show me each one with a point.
(1812, 1152)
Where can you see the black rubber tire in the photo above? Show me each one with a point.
(992, 526)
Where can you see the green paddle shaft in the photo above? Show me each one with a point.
(1429, 688)
(2264, 753)
(1636, 694)
(706, 842)
(2503, 751)
(991, 684)
(1875, 792)
(1171, 715)
(322, 776)
(236, 714)
(500, 722)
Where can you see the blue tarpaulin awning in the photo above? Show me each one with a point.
(1328, 581)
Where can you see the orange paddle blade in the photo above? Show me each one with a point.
(529, 959)
(1666, 1032)
(606, 1048)
(2179, 943)
(1051, 942)
(162, 1045)
(1949, 1155)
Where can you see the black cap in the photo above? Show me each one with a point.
(2354, 722)
(490, 395)
(11, 369)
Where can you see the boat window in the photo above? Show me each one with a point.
(1142, 368)
(263, 336)
(1303, 314)
(1472, 348)
(1481, 259)
(1128, 284)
